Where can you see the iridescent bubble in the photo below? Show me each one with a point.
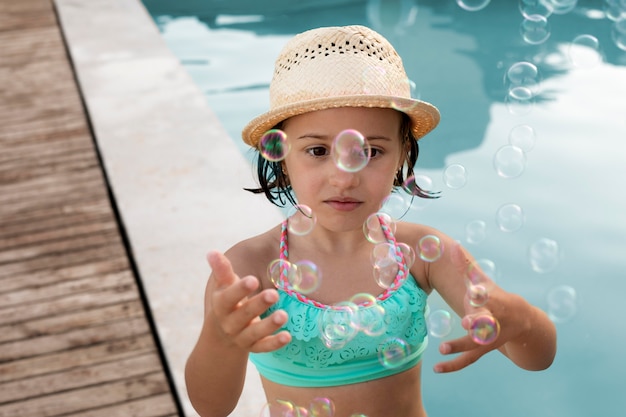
(584, 51)
(309, 277)
(535, 29)
(473, 5)
(429, 248)
(282, 271)
(561, 6)
(301, 220)
(523, 136)
(475, 231)
(278, 408)
(533, 7)
(614, 9)
(322, 407)
(439, 323)
(373, 230)
(406, 105)
(419, 185)
(338, 325)
(510, 217)
(477, 295)
(544, 255)
(618, 32)
(408, 253)
(350, 151)
(455, 176)
(393, 352)
(523, 74)
(509, 161)
(484, 329)
(562, 303)
(371, 314)
(385, 264)
(482, 272)
(396, 205)
(273, 145)
(519, 101)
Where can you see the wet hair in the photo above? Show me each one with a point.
(274, 182)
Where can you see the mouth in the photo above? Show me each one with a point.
(343, 203)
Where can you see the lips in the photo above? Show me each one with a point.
(343, 203)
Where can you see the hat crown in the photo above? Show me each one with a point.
(334, 62)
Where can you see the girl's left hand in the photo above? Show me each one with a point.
(508, 311)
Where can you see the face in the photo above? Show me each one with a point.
(340, 199)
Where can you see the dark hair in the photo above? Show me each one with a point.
(274, 182)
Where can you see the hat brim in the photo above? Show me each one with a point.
(424, 116)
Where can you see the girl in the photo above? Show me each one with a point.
(355, 340)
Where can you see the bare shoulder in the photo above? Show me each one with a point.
(411, 234)
(252, 256)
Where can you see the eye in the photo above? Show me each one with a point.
(375, 153)
(317, 151)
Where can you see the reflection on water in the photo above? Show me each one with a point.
(530, 157)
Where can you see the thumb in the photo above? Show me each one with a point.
(222, 269)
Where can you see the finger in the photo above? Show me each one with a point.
(247, 311)
(222, 269)
(263, 336)
(462, 361)
(228, 299)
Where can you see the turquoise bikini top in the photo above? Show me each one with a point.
(349, 342)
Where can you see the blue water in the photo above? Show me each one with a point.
(570, 184)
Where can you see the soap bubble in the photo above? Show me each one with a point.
(430, 248)
(519, 101)
(273, 145)
(560, 6)
(371, 315)
(477, 295)
(523, 136)
(473, 5)
(562, 304)
(614, 9)
(408, 253)
(373, 230)
(584, 51)
(396, 205)
(301, 220)
(338, 325)
(385, 264)
(455, 176)
(523, 74)
(322, 407)
(393, 352)
(475, 231)
(419, 185)
(484, 329)
(544, 255)
(534, 7)
(509, 161)
(308, 277)
(618, 32)
(439, 323)
(281, 271)
(510, 217)
(278, 408)
(350, 151)
(535, 29)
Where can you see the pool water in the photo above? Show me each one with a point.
(530, 157)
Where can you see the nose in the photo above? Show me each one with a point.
(342, 179)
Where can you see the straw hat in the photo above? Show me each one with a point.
(349, 66)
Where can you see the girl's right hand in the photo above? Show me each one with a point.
(235, 309)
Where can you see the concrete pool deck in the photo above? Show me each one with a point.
(174, 173)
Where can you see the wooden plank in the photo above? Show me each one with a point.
(93, 398)
(67, 359)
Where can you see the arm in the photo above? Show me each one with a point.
(216, 368)
(527, 336)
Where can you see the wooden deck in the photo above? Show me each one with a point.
(75, 337)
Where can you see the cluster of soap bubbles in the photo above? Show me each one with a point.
(319, 407)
